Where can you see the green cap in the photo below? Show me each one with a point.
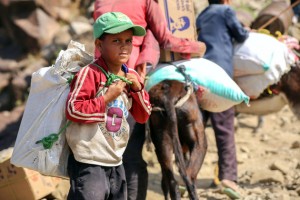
(115, 22)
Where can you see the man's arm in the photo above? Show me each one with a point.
(239, 33)
(141, 107)
(166, 40)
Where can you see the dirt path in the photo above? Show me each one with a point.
(268, 161)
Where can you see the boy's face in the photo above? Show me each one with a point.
(116, 48)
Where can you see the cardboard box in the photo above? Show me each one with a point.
(17, 183)
(180, 18)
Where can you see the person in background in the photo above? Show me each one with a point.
(218, 27)
(146, 51)
(296, 10)
(101, 96)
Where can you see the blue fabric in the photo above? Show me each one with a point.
(125, 68)
(218, 28)
(296, 8)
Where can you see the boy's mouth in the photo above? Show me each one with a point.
(123, 54)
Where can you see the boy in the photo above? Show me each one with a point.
(101, 95)
(218, 27)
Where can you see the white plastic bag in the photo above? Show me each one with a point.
(271, 52)
(45, 114)
(257, 54)
(220, 91)
(254, 85)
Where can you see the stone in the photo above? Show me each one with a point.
(281, 166)
(295, 145)
(267, 176)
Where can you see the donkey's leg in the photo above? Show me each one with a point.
(195, 140)
(164, 152)
(260, 123)
(169, 183)
(198, 150)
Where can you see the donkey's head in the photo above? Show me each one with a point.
(289, 84)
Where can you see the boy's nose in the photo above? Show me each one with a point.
(125, 45)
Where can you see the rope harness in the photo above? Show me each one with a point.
(49, 140)
(190, 87)
(277, 16)
(112, 77)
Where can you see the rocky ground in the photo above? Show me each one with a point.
(268, 160)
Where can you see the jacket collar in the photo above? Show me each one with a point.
(100, 61)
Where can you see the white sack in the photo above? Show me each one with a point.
(45, 114)
(257, 54)
(253, 82)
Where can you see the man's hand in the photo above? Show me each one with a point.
(202, 48)
(141, 70)
(185, 56)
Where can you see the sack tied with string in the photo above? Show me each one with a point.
(41, 144)
(219, 91)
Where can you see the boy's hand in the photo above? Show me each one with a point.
(114, 90)
(136, 85)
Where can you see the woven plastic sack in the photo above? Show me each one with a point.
(254, 85)
(257, 54)
(45, 114)
(264, 106)
(220, 91)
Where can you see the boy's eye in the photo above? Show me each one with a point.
(116, 41)
(129, 41)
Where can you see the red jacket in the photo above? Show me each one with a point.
(84, 107)
(148, 14)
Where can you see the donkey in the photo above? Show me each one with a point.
(176, 126)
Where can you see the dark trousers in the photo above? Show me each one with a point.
(223, 126)
(134, 165)
(94, 182)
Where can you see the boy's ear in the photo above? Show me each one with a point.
(98, 44)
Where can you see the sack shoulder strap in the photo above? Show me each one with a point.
(111, 77)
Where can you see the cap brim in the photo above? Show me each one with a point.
(137, 30)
